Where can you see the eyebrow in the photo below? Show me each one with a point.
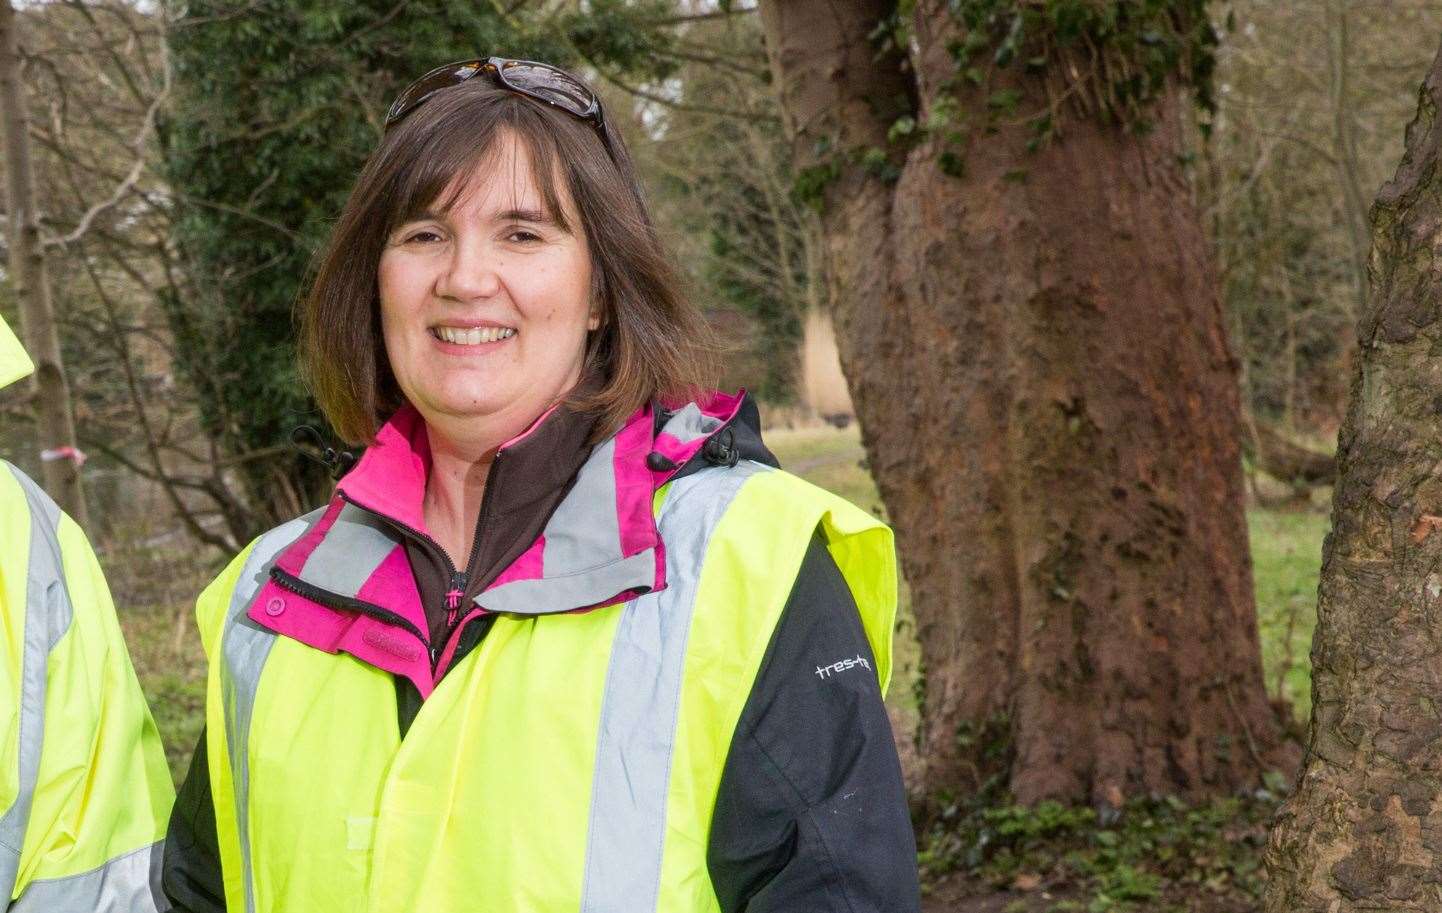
(509, 215)
(526, 215)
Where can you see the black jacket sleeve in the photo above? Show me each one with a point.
(811, 813)
(191, 869)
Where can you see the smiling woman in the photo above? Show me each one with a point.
(541, 184)
(550, 646)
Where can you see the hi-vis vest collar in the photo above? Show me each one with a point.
(14, 363)
(346, 584)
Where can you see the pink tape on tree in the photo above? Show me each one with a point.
(63, 453)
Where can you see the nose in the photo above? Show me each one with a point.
(471, 273)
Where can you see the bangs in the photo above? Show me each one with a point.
(465, 139)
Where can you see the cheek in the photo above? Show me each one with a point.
(391, 322)
(568, 294)
(386, 295)
(401, 283)
(392, 305)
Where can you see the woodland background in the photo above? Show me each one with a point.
(1114, 308)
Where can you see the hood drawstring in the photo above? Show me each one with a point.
(338, 462)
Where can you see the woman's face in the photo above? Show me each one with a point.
(485, 308)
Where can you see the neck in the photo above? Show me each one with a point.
(455, 487)
(463, 448)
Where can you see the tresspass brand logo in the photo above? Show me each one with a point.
(825, 672)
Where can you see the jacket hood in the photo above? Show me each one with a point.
(346, 584)
(14, 363)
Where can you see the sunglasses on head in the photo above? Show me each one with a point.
(541, 81)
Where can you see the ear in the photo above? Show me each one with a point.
(594, 321)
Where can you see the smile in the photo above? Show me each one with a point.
(472, 336)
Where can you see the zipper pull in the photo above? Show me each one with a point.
(453, 597)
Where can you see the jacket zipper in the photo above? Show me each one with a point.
(453, 597)
(460, 581)
(288, 581)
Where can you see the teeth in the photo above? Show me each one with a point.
(473, 336)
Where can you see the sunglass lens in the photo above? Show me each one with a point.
(551, 85)
(437, 79)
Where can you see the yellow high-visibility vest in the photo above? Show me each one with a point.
(84, 790)
(83, 781)
(568, 763)
(14, 363)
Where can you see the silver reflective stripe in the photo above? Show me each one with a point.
(550, 595)
(47, 617)
(584, 525)
(641, 701)
(583, 564)
(690, 424)
(350, 552)
(125, 884)
(245, 646)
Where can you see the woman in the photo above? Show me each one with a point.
(563, 639)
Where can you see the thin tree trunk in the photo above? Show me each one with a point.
(1037, 355)
(55, 424)
(823, 384)
(1363, 831)
(1344, 147)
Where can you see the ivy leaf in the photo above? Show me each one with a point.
(903, 126)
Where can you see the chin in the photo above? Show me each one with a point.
(473, 408)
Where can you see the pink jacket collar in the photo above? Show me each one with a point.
(346, 584)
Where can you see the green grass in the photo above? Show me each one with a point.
(1286, 564)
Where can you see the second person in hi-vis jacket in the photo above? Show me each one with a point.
(84, 788)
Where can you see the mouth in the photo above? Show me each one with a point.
(472, 336)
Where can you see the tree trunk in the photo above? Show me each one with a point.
(1344, 145)
(1364, 829)
(1037, 357)
(55, 425)
(823, 386)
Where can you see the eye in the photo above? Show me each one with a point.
(424, 236)
(525, 237)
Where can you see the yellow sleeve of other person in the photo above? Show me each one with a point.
(84, 789)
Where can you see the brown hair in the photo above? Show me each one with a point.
(652, 341)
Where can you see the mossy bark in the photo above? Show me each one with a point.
(1037, 355)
